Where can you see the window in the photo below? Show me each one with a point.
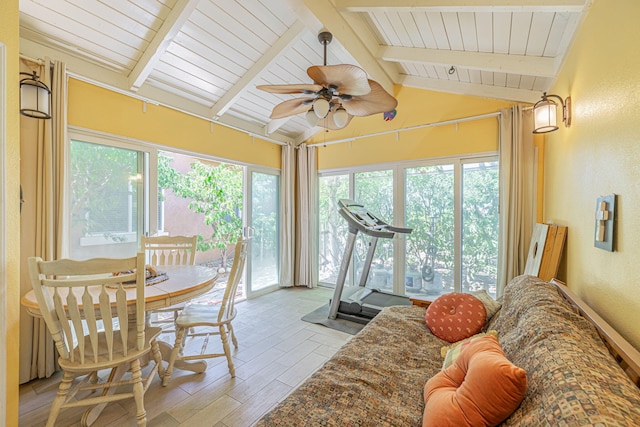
(333, 231)
(374, 190)
(106, 202)
(480, 220)
(451, 206)
(429, 211)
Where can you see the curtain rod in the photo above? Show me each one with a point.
(151, 101)
(38, 61)
(435, 124)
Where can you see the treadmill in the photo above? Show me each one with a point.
(359, 303)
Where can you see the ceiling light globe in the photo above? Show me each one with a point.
(340, 117)
(311, 117)
(321, 107)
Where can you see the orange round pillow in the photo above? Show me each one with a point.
(455, 316)
(481, 388)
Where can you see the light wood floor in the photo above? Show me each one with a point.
(276, 352)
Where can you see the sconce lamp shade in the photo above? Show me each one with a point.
(544, 116)
(35, 97)
(545, 112)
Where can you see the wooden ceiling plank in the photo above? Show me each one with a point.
(539, 33)
(468, 31)
(520, 29)
(501, 32)
(171, 26)
(484, 31)
(453, 30)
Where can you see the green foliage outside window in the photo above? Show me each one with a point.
(215, 192)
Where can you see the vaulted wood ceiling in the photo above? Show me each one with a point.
(206, 57)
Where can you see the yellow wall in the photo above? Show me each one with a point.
(599, 155)
(9, 37)
(415, 107)
(100, 109)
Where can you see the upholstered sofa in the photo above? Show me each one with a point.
(379, 377)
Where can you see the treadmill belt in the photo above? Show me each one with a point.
(381, 300)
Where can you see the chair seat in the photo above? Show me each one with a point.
(199, 314)
(151, 333)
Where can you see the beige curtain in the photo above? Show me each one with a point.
(287, 215)
(42, 154)
(306, 255)
(518, 191)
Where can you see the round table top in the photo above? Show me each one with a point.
(183, 283)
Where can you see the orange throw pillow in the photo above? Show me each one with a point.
(455, 316)
(481, 388)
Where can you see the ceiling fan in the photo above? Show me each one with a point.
(339, 93)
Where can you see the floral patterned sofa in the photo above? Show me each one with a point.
(378, 378)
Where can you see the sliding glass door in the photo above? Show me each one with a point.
(120, 190)
(263, 228)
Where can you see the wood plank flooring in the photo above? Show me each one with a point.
(276, 352)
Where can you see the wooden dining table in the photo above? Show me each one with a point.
(183, 283)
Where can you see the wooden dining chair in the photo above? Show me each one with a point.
(84, 305)
(200, 319)
(169, 250)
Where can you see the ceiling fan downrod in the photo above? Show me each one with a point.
(325, 38)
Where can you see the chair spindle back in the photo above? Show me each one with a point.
(85, 305)
(170, 250)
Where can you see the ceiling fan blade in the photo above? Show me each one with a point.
(349, 79)
(291, 108)
(294, 88)
(376, 101)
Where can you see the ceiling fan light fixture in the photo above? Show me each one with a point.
(340, 117)
(321, 107)
(338, 93)
(311, 117)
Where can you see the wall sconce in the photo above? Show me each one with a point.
(544, 113)
(35, 97)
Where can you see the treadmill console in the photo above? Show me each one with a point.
(364, 221)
